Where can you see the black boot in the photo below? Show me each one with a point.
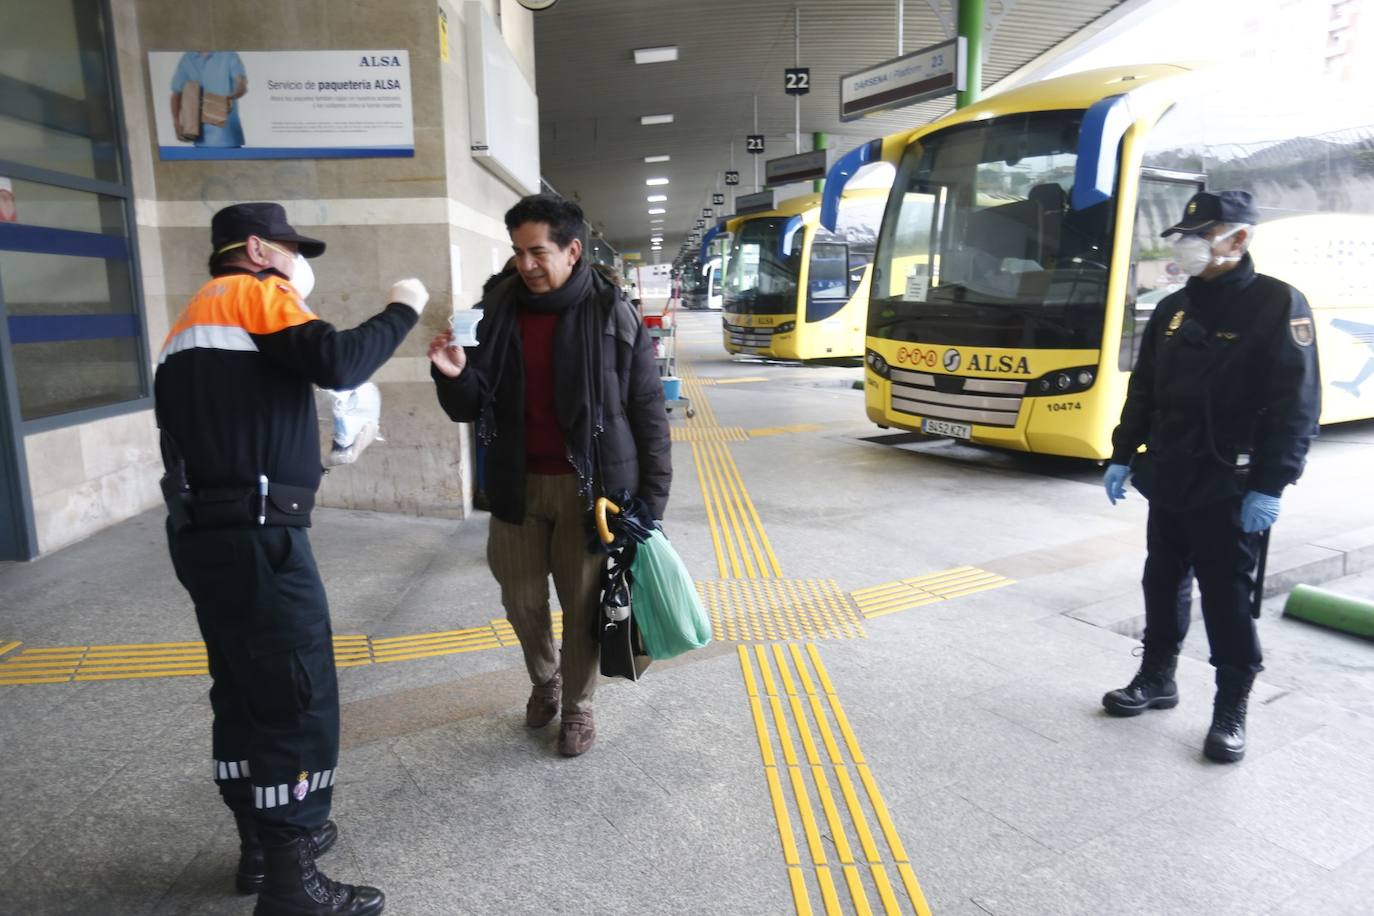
(251, 873)
(295, 887)
(1226, 738)
(1152, 687)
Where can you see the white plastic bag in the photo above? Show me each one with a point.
(357, 422)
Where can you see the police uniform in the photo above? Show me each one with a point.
(1225, 397)
(236, 406)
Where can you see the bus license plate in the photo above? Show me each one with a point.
(945, 428)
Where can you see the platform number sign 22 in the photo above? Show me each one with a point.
(797, 80)
(753, 143)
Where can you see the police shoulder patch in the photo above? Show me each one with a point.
(1301, 329)
(1175, 323)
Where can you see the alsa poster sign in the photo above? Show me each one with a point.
(282, 104)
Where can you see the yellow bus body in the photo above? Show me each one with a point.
(1080, 424)
(840, 335)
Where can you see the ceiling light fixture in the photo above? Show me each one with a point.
(652, 221)
(655, 182)
(663, 55)
(654, 211)
(655, 119)
(649, 160)
(657, 198)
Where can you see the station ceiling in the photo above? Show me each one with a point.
(592, 93)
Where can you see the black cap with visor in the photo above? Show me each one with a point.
(233, 225)
(1206, 209)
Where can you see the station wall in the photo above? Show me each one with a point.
(437, 216)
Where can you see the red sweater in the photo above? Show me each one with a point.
(545, 451)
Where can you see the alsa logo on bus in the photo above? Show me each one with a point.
(951, 360)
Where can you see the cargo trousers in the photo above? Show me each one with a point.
(551, 542)
(264, 617)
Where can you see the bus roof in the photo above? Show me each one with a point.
(808, 206)
(1074, 91)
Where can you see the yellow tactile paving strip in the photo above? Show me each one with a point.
(741, 545)
(881, 600)
(763, 431)
(768, 610)
(790, 692)
(69, 664)
(709, 434)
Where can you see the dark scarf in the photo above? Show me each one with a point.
(577, 361)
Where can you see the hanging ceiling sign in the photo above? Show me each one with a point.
(811, 166)
(753, 144)
(916, 77)
(796, 80)
(718, 199)
(707, 212)
(731, 178)
(757, 203)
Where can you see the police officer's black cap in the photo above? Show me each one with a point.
(265, 220)
(1204, 209)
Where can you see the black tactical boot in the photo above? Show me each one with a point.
(1226, 738)
(1152, 687)
(295, 887)
(251, 873)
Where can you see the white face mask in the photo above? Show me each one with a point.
(1193, 253)
(303, 276)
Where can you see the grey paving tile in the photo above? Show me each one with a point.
(1346, 891)
(957, 849)
(1301, 797)
(1069, 793)
(1175, 861)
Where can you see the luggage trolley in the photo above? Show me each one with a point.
(663, 329)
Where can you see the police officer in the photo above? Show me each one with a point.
(240, 443)
(1225, 398)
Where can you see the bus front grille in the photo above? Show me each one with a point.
(741, 336)
(951, 397)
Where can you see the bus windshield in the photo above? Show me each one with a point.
(980, 247)
(764, 266)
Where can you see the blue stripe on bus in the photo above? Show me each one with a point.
(46, 240)
(176, 153)
(53, 328)
(1104, 124)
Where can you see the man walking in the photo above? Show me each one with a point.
(566, 395)
(241, 446)
(1225, 397)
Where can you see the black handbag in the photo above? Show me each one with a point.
(622, 650)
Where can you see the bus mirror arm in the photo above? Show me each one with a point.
(839, 176)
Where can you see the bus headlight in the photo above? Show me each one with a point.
(1064, 381)
(879, 365)
(787, 327)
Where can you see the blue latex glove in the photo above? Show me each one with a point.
(1258, 511)
(1115, 481)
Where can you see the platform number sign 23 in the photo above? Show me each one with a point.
(753, 143)
(797, 80)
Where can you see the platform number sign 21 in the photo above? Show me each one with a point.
(797, 80)
(753, 144)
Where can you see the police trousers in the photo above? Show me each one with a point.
(1207, 542)
(552, 541)
(263, 615)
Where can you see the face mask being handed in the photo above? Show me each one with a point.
(1193, 253)
(303, 277)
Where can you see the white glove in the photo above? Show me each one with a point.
(409, 292)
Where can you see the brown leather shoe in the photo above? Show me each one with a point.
(577, 734)
(542, 707)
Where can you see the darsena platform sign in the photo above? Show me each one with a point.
(282, 104)
(916, 77)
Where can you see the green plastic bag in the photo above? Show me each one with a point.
(667, 609)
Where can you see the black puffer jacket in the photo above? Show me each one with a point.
(635, 446)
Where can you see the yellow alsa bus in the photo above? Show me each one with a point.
(794, 290)
(1020, 253)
